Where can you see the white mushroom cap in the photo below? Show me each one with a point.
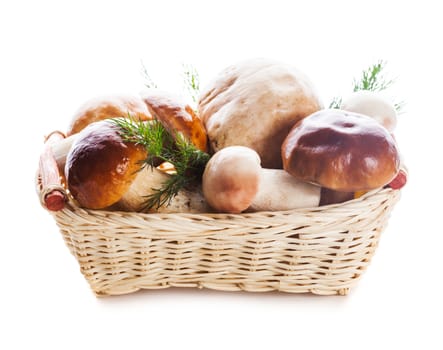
(373, 105)
(231, 179)
(255, 103)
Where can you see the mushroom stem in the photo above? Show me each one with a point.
(50, 175)
(278, 190)
(145, 184)
(234, 181)
(60, 150)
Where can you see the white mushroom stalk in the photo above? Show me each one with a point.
(234, 182)
(60, 150)
(145, 184)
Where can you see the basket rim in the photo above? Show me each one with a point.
(97, 239)
(72, 205)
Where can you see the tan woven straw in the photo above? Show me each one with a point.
(321, 250)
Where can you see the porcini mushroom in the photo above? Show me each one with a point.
(96, 109)
(105, 107)
(374, 105)
(255, 103)
(342, 151)
(177, 117)
(102, 170)
(234, 181)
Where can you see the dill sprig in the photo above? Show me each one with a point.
(189, 162)
(164, 195)
(151, 135)
(191, 81)
(336, 102)
(149, 82)
(371, 79)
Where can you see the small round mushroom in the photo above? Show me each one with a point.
(373, 105)
(234, 181)
(103, 170)
(105, 107)
(342, 151)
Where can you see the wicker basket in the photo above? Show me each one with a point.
(321, 250)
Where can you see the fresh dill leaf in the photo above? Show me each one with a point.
(373, 78)
(189, 162)
(399, 106)
(151, 135)
(336, 102)
(191, 81)
(164, 195)
(149, 83)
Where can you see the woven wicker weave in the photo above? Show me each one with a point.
(322, 250)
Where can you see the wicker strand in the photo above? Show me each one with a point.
(320, 250)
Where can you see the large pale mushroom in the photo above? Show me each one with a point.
(255, 103)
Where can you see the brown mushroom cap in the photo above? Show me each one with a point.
(231, 179)
(341, 150)
(255, 103)
(177, 117)
(113, 106)
(100, 167)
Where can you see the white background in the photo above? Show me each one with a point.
(55, 55)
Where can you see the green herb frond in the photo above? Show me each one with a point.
(151, 135)
(149, 83)
(187, 154)
(188, 161)
(373, 78)
(400, 106)
(191, 81)
(336, 102)
(163, 196)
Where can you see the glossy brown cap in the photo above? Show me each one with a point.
(105, 107)
(177, 117)
(342, 151)
(100, 167)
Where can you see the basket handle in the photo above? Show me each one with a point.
(52, 195)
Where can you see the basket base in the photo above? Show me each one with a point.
(322, 251)
(245, 287)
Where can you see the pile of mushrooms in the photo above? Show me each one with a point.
(273, 146)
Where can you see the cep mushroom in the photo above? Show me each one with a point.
(105, 107)
(342, 151)
(96, 109)
(234, 181)
(254, 104)
(373, 105)
(103, 170)
(177, 117)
